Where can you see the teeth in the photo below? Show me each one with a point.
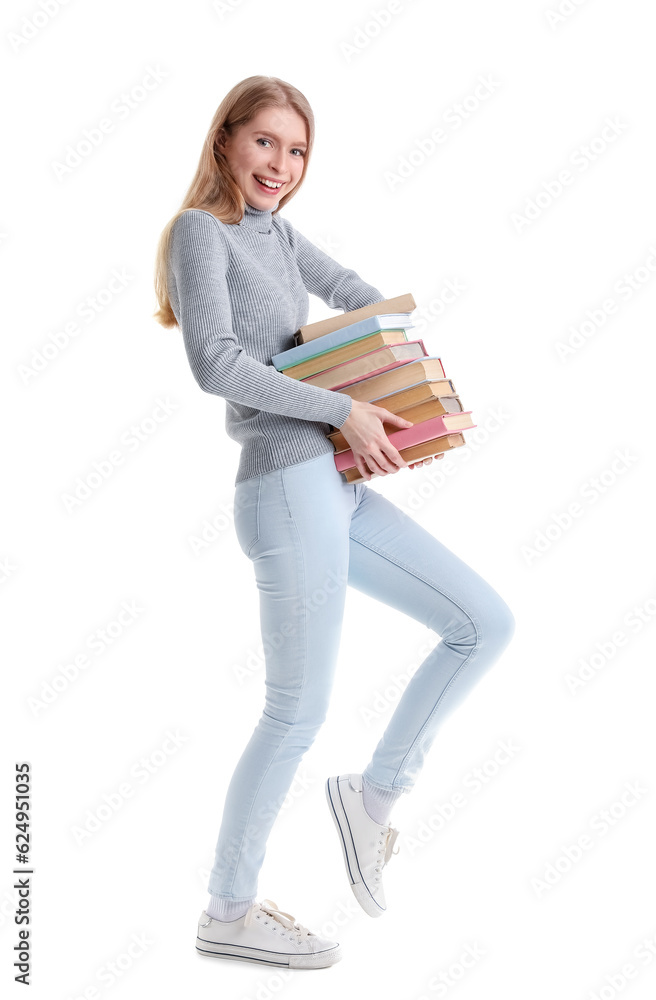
(268, 183)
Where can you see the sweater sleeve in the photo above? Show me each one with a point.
(339, 287)
(198, 259)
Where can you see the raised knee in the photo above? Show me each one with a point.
(499, 625)
(465, 635)
(493, 626)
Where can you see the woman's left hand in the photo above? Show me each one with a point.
(425, 461)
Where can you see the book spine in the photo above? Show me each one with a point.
(360, 378)
(325, 354)
(305, 351)
(376, 371)
(399, 304)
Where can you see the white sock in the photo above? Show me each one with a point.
(378, 801)
(227, 909)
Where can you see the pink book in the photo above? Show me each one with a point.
(319, 377)
(406, 436)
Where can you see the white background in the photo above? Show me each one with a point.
(548, 426)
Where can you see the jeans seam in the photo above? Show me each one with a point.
(420, 576)
(299, 550)
(417, 740)
(257, 517)
(476, 624)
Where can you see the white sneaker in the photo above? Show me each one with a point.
(366, 845)
(266, 935)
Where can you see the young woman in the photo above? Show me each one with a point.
(234, 274)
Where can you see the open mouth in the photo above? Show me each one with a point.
(270, 188)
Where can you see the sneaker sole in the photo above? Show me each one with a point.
(338, 813)
(318, 960)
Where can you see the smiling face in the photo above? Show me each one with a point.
(271, 146)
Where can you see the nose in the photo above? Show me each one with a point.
(276, 161)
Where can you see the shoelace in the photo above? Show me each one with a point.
(385, 849)
(268, 907)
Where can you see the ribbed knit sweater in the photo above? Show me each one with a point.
(239, 293)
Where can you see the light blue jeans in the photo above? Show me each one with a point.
(309, 533)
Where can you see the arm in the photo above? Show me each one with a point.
(339, 287)
(199, 260)
(342, 287)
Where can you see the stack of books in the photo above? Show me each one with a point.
(366, 354)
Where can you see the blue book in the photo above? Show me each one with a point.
(345, 335)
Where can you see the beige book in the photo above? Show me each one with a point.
(394, 379)
(415, 453)
(401, 304)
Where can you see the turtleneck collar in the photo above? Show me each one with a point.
(258, 219)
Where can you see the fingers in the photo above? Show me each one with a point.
(395, 418)
(393, 460)
(381, 466)
(384, 466)
(378, 468)
(425, 461)
(362, 468)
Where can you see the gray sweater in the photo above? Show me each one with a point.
(239, 293)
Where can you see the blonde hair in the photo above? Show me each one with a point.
(213, 187)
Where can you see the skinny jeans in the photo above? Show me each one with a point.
(310, 534)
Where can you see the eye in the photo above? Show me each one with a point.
(296, 149)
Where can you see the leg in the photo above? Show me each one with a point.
(395, 560)
(293, 523)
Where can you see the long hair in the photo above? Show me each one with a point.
(213, 187)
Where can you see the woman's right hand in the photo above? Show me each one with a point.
(364, 433)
